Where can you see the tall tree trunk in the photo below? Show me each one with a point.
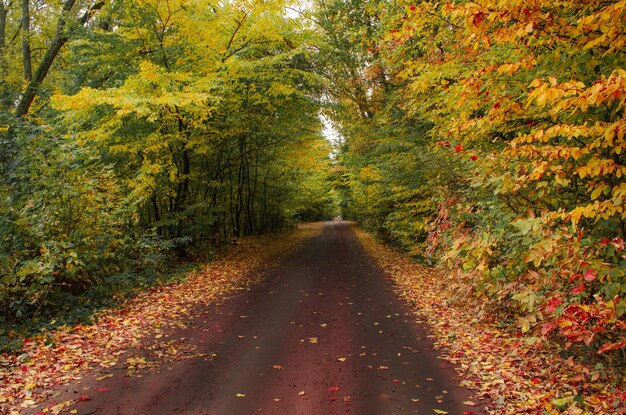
(156, 213)
(25, 32)
(58, 40)
(3, 36)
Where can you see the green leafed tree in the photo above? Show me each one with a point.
(177, 124)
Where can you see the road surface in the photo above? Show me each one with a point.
(325, 335)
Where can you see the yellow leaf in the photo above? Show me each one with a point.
(596, 193)
(525, 323)
(439, 411)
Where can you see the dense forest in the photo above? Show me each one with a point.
(138, 132)
(486, 138)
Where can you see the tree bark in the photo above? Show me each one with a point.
(3, 34)
(25, 29)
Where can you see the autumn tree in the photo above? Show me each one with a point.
(517, 113)
(182, 125)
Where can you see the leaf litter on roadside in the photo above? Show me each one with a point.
(513, 376)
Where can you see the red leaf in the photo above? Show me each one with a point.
(474, 157)
(458, 148)
(590, 275)
(547, 328)
(333, 389)
(612, 346)
(553, 304)
(478, 18)
(84, 398)
(535, 380)
(575, 276)
(579, 290)
(468, 412)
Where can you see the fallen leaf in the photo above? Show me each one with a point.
(439, 411)
(279, 367)
(241, 395)
(313, 340)
(333, 389)
(301, 393)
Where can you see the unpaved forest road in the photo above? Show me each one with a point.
(324, 303)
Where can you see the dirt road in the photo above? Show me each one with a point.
(325, 335)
